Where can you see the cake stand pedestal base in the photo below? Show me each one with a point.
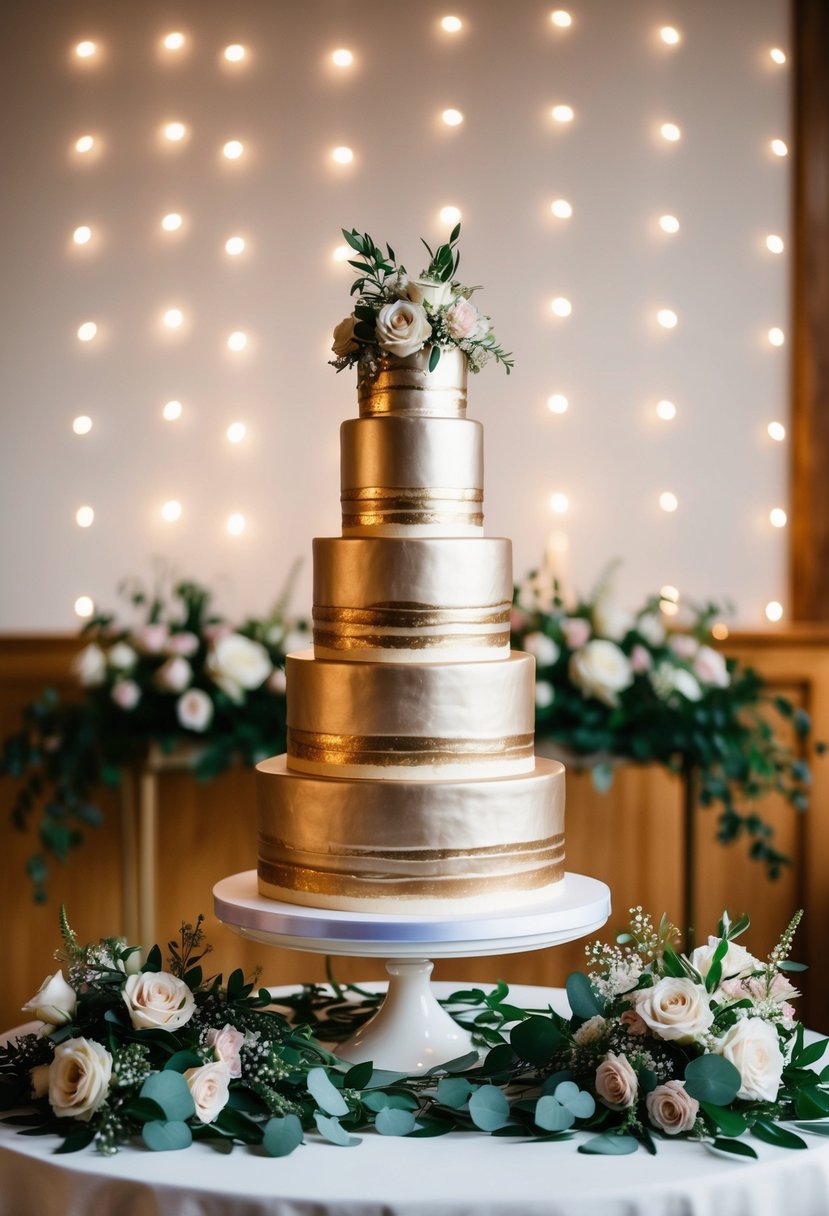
(411, 1032)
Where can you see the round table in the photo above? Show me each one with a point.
(462, 1174)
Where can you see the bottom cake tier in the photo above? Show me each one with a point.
(410, 847)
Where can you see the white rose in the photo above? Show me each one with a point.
(235, 663)
(651, 628)
(209, 1088)
(545, 694)
(709, 666)
(126, 694)
(157, 998)
(79, 1077)
(194, 710)
(402, 328)
(600, 670)
(737, 960)
(686, 685)
(426, 291)
(668, 679)
(227, 1044)
(174, 675)
(544, 649)
(671, 1109)
(121, 656)
(753, 1047)
(675, 1008)
(610, 620)
(344, 341)
(54, 1002)
(616, 1083)
(90, 666)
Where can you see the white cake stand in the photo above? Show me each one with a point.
(411, 1032)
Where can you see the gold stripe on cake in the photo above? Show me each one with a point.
(373, 519)
(406, 641)
(415, 495)
(403, 616)
(386, 750)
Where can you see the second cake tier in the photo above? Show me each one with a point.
(410, 722)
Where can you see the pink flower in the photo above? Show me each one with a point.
(126, 694)
(226, 1044)
(633, 1023)
(212, 633)
(671, 1109)
(576, 631)
(150, 639)
(174, 675)
(517, 620)
(709, 666)
(683, 645)
(616, 1082)
(184, 643)
(277, 682)
(640, 659)
(462, 320)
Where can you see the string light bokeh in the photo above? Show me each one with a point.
(176, 284)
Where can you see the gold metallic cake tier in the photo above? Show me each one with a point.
(402, 722)
(412, 601)
(356, 845)
(411, 476)
(406, 386)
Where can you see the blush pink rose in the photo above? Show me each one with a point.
(633, 1023)
(126, 694)
(640, 659)
(462, 320)
(576, 631)
(184, 643)
(151, 639)
(616, 1082)
(671, 1109)
(226, 1044)
(683, 645)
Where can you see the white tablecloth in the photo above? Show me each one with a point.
(462, 1174)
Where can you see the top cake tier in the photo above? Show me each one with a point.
(406, 386)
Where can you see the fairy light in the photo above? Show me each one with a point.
(563, 113)
(236, 432)
(235, 524)
(82, 235)
(171, 511)
(342, 155)
(561, 209)
(775, 244)
(561, 18)
(451, 24)
(172, 411)
(341, 254)
(779, 147)
(234, 53)
(666, 410)
(668, 501)
(85, 143)
(561, 306)
(670, 132)
(559, 503)
(85, 49)
(719, 630)
(84, 606)
(82, 425)
(669, 223)
(172, 222)
(777, 55)
(450, 215)
(667, 318)
(84, 517)
(233, 149)
(87, 331)
(452, 118)
(778, 517)
(776, 431)
(175, 132)
(670, 36)
(774, 611)
(557, 403)
(234, 245)
(174, 41)
(776, 336)
(669, 600)
(237, 340)
(173, 318)
(342, 57)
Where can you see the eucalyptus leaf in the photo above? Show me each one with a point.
(324, 1094)
(454, 1092)
(535, 1039)
(166, 1136)
(608, 1145)
(391, 1122)
(731, 1122)
(583, 1000)
(169, 1090)
(816, 1126)
(282, 1135)
(711, 1078)
(552, 1116)
(359, 1075)
(180, 1061)
(381, 1077)
(489, 1108)
(334, 1132)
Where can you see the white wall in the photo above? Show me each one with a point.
(502, 167)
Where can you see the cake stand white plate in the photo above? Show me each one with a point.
(411, 1032)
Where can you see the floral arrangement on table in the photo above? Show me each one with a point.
(177, 676)
(704, 1047)
(398, 315)
(647, 687)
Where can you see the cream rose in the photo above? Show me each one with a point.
(54, 1002)
(402, 328)
(208, 1086)
(610, 620)
(601, 670)
(174, 675)
(236, 663)
(671, 1109)
(543, 649)
(616, 1082)
(90, 666)
(344, 341)
(157, 998)
(590, 1031)
(675, 1008)
(121, 656)
(651, 628)
(227, 1043)
(753, 1047)
(39, 1080)
(710, 668)
(426, 291)
(194, 709)
(79, 1077)
(737, 960)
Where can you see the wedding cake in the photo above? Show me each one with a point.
(410, 782)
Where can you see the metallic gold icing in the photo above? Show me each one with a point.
(407, 386)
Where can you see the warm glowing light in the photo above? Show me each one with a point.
(234, 245)
(670, 131)
(172, 222)
(719, 630)
(666, 410)
(171, 511)
(87, 331)
(669, 594)
(82, 235)
(85, 49)
(557, 404)
(561, 209)
(563, 113)
(342, 155)
(668, 501)
(669, 223)
(776, 336)
(341, 254)
(82, 425)
(172, 411)
(779, 147)
(778, 517)
(669, 35)
(452, 118)
(667, 318)
(173, 318)
(175, 131)
(450, 215)
(451, 24)
(236, 432)
(776, 431)
(774, 611)
(561, 18)
(237, 340)
(84, 517)
(234, 53)
(342, 57)
(561, 306)
(85, 144)
(174, 41)
(235, 524)
(233, 149)
(84, 606)
(777, 55)
(559, 503)
(775, 244)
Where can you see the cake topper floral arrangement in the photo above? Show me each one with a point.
(396, 314)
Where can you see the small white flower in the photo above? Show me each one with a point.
(194, 710)
(545, 694)
(668, 679)
(90, 666)
(590, 1031)
(121, 657)
(544, 649)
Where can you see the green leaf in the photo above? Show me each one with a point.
(154, 960)
(711, 1078)
(811, 1103)
(169, 1090)
(282, 1135)
(143, 1110)
(788, 965)
(77, 1139)
(427, 1128)
(583, 1000)
(498, 1059)
(454, 1092)
(240, 1127)
(712, 979)
(324, 1094)
(610, 1146)
(359, 1076)
(489, 1108)
(376, 1100)
(551, 1116)
(391, 1122)
(334, 1132)
(773, 1133)
(729, 1121)
(535, 1039)
(817, 1127)
(434, 358)
(180, 1061)
(381, 1077)
(169, 1136)
(738, 1148)
(456, 1065)
(811, 1054)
